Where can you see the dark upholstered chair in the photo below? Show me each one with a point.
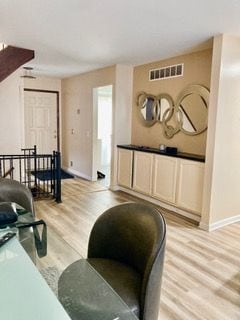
(14, 191)
(126, 247)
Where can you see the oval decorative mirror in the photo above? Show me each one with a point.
(192, 109)
(148, 108)
(164, 102)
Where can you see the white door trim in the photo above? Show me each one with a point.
(95, 129)
(57, 111)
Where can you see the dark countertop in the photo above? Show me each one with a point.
(183, 155)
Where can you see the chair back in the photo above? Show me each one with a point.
(14, 191)
(134, 234)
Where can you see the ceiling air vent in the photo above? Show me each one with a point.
(166, 72)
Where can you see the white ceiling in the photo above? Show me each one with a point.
(74, 36)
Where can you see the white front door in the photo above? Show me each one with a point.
(40, 115)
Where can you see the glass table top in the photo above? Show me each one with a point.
(86, 295)
(24, 293)
(25, 235)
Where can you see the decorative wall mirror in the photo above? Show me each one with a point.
(170, 125)
(188, 115)
(191, 108)
(148, 105)
(164, 102)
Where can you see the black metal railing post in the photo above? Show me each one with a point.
(58, 177)
(35, 165)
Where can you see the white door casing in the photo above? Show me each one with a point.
(102, 97)
(40, 119)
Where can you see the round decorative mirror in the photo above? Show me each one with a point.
(148, 108)
(192, 109)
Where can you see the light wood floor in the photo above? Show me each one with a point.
(201, 277)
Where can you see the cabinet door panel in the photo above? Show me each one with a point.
(125, 159)
(190, 187)
(142, 176)
(165, 178)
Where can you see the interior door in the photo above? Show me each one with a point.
(40, 121)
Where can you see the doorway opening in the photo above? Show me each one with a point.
(102, 134)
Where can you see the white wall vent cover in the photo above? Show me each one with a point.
(166, 72)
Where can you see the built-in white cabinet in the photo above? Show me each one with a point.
(125, 167)
(190, 185)
(165, 178)
(142, 172)
(178, 182)
(175, 181)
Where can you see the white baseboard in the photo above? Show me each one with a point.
(169, 207)
(219, 224)
(77, 173)
(114, 188)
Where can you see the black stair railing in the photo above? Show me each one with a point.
(41, 173)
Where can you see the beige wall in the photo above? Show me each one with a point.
(197, 70)
(77, 93)
(222, 177)
(11, 115)
(122, 117)
(43, 83)
(78, 138)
